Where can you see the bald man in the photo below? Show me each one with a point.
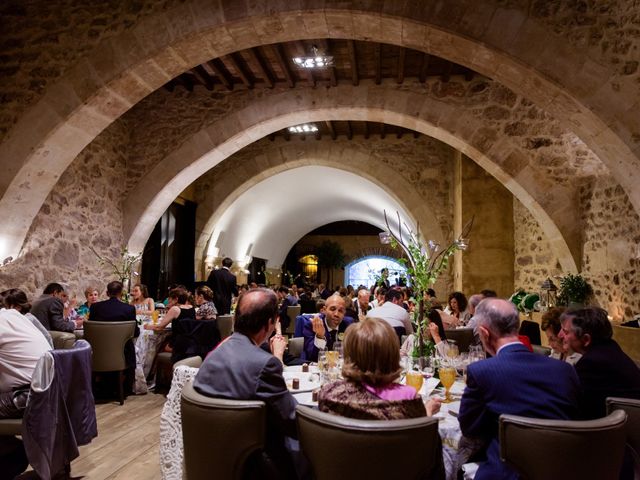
(514, 381)
(322, 331)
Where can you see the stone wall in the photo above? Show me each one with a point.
(488, 263)
(82, 210)
(611, 247)
(534, 260)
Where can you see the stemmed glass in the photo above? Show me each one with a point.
(447, 378)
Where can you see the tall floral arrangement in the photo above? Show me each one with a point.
(122, 267)
(425, 261)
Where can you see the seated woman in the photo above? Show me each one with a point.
(141, 300)
(204, 299)
(551, 325)
(178, 309)
(91, 294)
(371, 367)
(456, 311)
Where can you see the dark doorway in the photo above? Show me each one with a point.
(257, 271)
(169, 253)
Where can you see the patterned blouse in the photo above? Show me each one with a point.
(352, 400)
(207, 311)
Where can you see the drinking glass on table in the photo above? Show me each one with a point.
(447, 378)
(414, 379)
(452, 349)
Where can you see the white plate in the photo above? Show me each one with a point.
(308, 381)
(298, 369)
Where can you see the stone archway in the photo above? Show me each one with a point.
(283, 157)
(508, 44)
(546, 200)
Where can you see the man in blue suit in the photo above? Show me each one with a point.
(322, 331)
(514, 381)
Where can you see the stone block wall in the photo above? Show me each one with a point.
(534, 260)
(84, 209)
(611, 247)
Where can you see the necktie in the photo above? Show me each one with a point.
(332, 339)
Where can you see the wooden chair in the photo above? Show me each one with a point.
(340, 447)
(108, 341)
(632, 407)
(462, 336)
(225, 325)
(576, 447)
(219, 435)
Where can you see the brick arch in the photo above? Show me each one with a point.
(550, 204)
(292, 156)
(506, 44)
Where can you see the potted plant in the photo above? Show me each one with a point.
(575, 291)
(425, 263)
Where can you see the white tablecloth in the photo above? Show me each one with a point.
(146, 348)
(171, 447)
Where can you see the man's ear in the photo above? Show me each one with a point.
(586, 339)
(484, 332)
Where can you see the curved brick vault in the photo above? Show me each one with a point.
(549, 202)
(574, 83)
(279, 156)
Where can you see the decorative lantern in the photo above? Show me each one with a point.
(548, 297)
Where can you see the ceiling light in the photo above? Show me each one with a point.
(304, 128)
(317, 60)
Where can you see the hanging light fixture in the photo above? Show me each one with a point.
(304, 128)
(317, 60)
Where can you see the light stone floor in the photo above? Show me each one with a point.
(127, 445)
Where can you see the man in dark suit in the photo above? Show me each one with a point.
(49, 309)
(513, 381)
(322, 331)
(115, 310)
(223, 283)
(604, 369)
(239, 369)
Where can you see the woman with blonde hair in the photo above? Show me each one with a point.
(371, 369)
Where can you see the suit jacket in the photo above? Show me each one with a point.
(114, 310)
(223, 283)
(515, 382)
(50, 311)
(605, 371)
(310, 351)
(240, 370)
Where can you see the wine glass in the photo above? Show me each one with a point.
(447, 378)
(414, 379)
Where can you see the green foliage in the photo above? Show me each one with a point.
(330, 255)
(574, 288)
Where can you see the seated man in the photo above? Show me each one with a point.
(360, 307)
(322, 331)
(49, 309)
(285, 300)
(392, 312)
(239, 369)
(604, 369)
(514, 381)
(115, 310)
(21, 346)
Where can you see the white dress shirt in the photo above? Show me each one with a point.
(394, 315)
(21, 346)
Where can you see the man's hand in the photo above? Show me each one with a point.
(277, 345)
(79, 321)
(318, 327)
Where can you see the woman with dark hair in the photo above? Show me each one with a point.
(141, 300)
(456, 310)
(179, 308)
(435, 332)
(371, 368)
(16, 299)
(204, 299)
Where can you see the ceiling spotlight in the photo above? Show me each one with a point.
(304, 128)
(317, 60)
